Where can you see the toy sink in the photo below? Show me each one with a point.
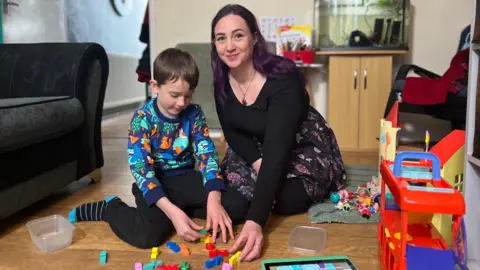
(51, 233)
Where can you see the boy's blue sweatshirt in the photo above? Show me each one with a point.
(158, 144)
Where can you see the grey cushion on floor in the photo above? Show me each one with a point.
(27, 121)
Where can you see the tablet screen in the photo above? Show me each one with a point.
(340, 264)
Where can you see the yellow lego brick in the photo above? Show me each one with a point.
(154, 253)
(235, 259)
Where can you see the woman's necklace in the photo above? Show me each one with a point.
(244, 102)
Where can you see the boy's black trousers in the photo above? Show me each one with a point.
(147, 227)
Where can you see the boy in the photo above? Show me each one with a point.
(166, 136)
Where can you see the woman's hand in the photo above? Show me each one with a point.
(184, 226)
(217, 216)
(257, 164)
(251, 238)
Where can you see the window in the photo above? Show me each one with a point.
(458, 184)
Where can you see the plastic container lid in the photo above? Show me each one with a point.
(51, 233)
(307, 239)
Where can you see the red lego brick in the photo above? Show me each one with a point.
(223, 253)
(212, 253)
(210, 246)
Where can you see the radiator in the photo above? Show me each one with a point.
(123, 88)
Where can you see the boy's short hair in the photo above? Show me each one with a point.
(174, 64)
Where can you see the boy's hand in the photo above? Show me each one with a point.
(184, 226)
(217, 216)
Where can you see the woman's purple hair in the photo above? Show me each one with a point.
(264, 61)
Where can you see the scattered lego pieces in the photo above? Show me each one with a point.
(184, 266)
(154, 253)
(210, 246)
(223, 253)
(218, 252)
(103, 257)
(151, 265)
(235, 259)
(214, 262)
(184, 250)
(206, 239)
(216, 257)
(173, 246)
(227, 266)
(212, 254)
(169, 267)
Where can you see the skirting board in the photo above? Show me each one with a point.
(123, 102)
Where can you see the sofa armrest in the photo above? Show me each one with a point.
(61, 69)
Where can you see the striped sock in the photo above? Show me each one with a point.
(90, 211)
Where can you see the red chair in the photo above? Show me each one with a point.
(430, 101)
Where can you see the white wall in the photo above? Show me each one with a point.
(122, 85)
(34, 21)
(434, 38)
(86, 21)
(435, 34)
(97, 21)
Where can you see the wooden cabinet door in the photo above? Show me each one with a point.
(343, 94)
(375, 86)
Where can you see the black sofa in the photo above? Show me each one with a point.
(51, 105)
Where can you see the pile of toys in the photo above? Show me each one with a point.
(216, 256)
(366, 200)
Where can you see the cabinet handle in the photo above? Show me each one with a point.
(355, 79)
(365, 75)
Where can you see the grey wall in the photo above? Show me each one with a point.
(97, 21)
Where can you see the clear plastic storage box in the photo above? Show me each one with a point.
(307, 239)
(51, 233)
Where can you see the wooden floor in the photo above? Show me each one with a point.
(359, 242)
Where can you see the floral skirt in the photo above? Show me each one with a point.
(315, 160)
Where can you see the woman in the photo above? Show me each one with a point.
(282, 155)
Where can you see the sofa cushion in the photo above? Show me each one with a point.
(27, 121)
